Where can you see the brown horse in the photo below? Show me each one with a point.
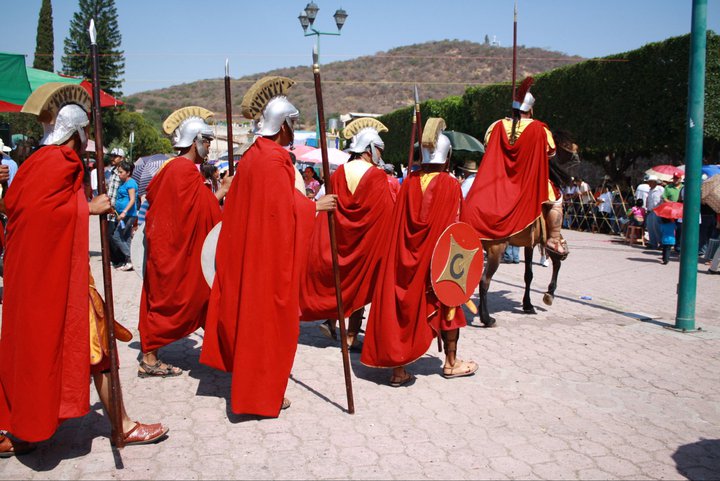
(528, 238)
(534, 234)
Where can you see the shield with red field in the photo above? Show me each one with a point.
(457, 264)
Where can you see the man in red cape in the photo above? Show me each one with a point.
(45, 353)
(253, 321)
(182, 211)
(362, 220)
(405, 314)
(512, 183)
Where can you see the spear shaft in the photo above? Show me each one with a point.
(417, 130)
(514, 62)
(228, 116)
(411, 153)
(333, 238)
(115, 390)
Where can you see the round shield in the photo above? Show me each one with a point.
(457, 264)
(137, 251)
(207, 256)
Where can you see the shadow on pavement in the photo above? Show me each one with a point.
(317, 393)
(699, 460)
(67, 443)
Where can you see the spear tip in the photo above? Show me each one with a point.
(227, 67)
(93, 32)
(315, 55)
(417, 95)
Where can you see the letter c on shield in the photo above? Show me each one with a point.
(453, 272)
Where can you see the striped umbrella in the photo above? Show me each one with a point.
(146, 168)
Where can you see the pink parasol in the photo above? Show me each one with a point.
(335, 156)
(300, 150)
(665, 172)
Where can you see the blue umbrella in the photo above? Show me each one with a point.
(222, 165)
(711, 170)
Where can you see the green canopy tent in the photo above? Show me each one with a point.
(17, 82)
(14, 83)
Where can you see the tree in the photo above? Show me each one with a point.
(44, 41)
(148, 139)
(76, 61)
(487, 40)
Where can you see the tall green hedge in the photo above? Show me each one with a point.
(621, 107)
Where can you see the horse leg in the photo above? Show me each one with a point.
(493, 261)
(527, 306)
(550, 294)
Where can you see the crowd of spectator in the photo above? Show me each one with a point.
(610, 209)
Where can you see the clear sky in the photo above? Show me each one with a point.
(168, 42)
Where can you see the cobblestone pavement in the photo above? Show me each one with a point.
(585, 389)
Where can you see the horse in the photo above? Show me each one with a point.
(532, 235)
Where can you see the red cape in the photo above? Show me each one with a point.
(44, 345)
(175, 294)
(362, 220)
(253, 320)
(510, 185)
(394, 184)
(405, 313)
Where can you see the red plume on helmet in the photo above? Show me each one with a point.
(520, 101)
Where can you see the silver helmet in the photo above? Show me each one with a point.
(62, 109)
(278, 110)
(266, 103)
(526, 104)
(436, 147)
(524, 100)
(187, 125)
(364, 134)
(70, 119)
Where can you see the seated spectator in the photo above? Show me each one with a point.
(636, 214)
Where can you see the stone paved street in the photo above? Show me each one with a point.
(583, 390)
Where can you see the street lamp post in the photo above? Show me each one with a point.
(307, 19)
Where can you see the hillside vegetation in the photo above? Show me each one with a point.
(379, 83)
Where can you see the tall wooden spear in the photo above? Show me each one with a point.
(228, 116)
(514, 65)
(115, 390)
(416, 132)
(331, 225)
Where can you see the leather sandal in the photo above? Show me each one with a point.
(408, 380)
(10, 448)
(328, 329)
(143, 434)
(460, 369)
(559, 243)
(156, 370)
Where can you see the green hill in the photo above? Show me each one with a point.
(378, 83)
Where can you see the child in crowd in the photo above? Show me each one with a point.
(667, 237)
(636, 214)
